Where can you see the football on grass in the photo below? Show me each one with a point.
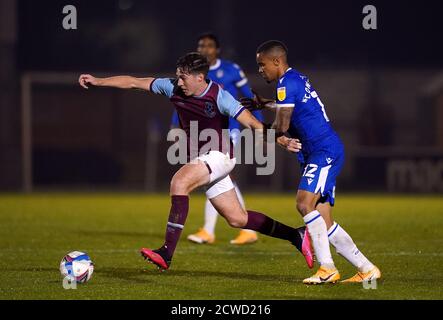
(77, 266)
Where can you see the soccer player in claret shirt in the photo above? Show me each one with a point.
(232, 79)
(301, 114)
(198, 99)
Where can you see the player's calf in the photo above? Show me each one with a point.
(228, 206)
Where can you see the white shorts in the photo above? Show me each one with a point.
(219, 165)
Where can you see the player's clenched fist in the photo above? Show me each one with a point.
(86, 79)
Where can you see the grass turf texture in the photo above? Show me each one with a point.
(403, 235)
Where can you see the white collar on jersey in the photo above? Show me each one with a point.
(206, 90)
(281, 78)
(216, 65)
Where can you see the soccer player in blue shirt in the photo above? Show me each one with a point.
(232, 79)
(301, 114)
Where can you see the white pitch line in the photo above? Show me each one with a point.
(214, 252)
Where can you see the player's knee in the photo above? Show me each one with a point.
(179, 186)
(304, 207)
(238, 221)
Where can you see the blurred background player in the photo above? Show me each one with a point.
(231, 78)
(300, 113)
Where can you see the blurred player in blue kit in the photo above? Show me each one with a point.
(232, 79)
(301, 114)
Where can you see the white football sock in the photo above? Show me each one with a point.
(242, 202)
(319, 236)
(345, 247)
(210, 217)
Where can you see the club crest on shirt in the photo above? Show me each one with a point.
(281, 93)
(220, 74)
(210, 110)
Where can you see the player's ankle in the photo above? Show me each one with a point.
(329, 266)
(366, 267)
(209, 232)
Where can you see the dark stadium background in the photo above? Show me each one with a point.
(383, 89)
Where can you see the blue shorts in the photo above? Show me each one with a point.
(319, 173)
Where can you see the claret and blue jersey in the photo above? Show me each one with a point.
(322, 155)
(232, 79)
(212, 109)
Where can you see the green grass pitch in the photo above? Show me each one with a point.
(403, 235)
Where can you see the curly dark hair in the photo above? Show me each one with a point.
(193, 63)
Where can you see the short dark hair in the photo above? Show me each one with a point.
(272, 44)
(192, 63)
(209, 35)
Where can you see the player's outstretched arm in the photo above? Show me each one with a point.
(122, 82)
(247, 119)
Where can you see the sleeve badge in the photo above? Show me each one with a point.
(281, 93)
